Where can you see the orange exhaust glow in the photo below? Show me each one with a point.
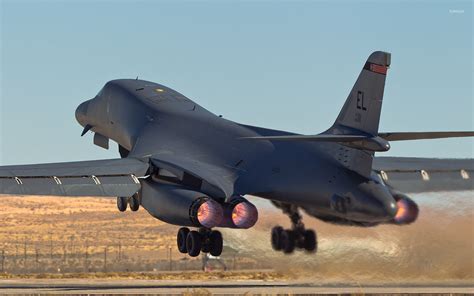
(244, 215)
(407, 212)
(209, 214)
(402, 210)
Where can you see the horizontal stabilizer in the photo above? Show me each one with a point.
(403, 136)
(312, 138)
(423, 135)
(354, 141)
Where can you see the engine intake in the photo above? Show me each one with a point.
(177, 205)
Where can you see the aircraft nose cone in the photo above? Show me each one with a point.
(81, 113)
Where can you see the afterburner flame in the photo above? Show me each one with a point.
(402, 209)
(244, 215)
(209, 214)
(407, 211)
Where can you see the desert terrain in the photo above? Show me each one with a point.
(58, 234)
(44, 237)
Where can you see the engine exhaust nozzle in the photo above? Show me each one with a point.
(244, 214)
(407, 210)
(209, 213)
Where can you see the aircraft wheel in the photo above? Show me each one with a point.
(193, 243)
(276, 238)
(134, 203)
(299, 240)
(205, 247)
(215, 243)
(287, 241)
(310, 242)
(122, 203)
(181, 239)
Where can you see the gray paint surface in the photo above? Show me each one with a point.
(162, 132)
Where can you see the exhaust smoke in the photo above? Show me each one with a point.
(436, 248)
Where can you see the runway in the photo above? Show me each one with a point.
(128, 286)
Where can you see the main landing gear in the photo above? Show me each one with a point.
(194, 242)
(298, 237)
(133, 201)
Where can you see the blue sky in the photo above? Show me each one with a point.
(284, 65)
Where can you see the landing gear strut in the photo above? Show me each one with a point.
(194, 242)
(298, 237)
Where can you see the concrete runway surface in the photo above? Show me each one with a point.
(128, 286)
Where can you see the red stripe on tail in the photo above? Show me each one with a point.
(378, 69)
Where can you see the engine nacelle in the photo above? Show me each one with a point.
(239, 213)
(407, 211)
(176, 205)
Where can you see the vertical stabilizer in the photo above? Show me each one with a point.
(361, 112)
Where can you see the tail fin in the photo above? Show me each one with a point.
(361, 112)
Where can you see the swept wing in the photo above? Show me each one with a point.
(113, 177)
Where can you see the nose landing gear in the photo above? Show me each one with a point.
(298, 237)
(194, 242)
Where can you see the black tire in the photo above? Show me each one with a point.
(193, 243)
(276, 238)
(215, 243)
(181, 239)
(205, 246)
(134, 203)
(310, 241)
(122, 203)
(287, 241)
(299, 240)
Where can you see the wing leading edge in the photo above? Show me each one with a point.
(410, 174)
(113, 177)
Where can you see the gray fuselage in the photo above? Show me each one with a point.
(148, 119)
